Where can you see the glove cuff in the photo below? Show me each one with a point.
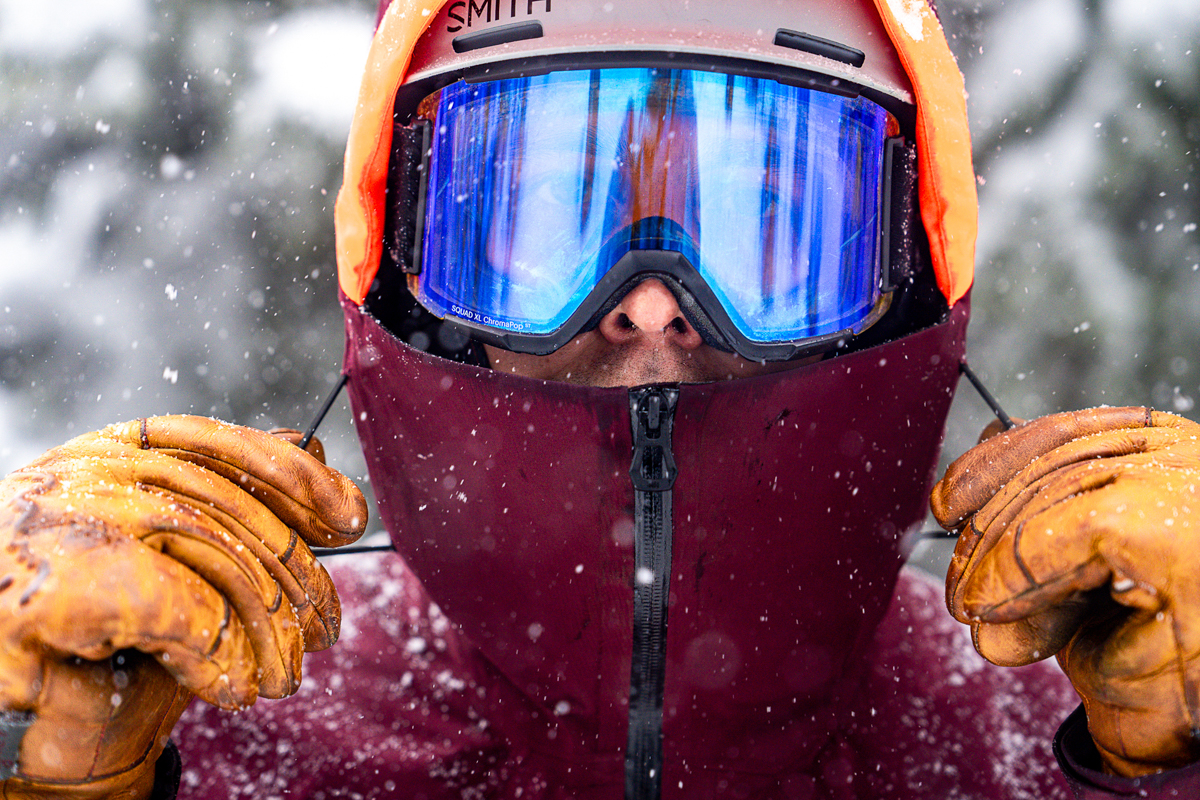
(1079, 760)
(167, 772)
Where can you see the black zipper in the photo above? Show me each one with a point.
(652, 412)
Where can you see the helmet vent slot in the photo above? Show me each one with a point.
(516, 32)
(812, 44)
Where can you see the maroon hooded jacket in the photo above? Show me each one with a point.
(688, 591)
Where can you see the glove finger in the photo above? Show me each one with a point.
(293, 513)
(287, 560)
(984, 530)
(1095, 523)
(321, 503)
(314, 448)
(1025, 641)
(1014, 620)
(1031, 593)
(977, 475)
(1174, 437)
(270, 624)
(102, 592)
(1159, 445)
(296, 514)
(1076, 463)
(173, 527)
(1035, 558)
(1112, 512)
(997, 427)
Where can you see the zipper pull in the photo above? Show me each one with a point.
(652, 410)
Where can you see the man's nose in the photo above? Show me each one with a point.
(649, 313)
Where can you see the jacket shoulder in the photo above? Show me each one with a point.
(389, 709)
(950, 722)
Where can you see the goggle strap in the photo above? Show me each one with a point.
(407, 177)
(899, 214)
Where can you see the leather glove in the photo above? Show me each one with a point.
(148, 562)
(1080, 537)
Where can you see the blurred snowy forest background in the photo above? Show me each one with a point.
(167, 176)
(168, 170)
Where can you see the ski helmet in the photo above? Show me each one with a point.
(493, 74)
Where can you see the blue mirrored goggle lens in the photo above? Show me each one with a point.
(538, 186)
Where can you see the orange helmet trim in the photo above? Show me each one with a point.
(359, 212)
(945, 173)
(949, 208)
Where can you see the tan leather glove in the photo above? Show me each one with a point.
(149, 561)
(1081, 538)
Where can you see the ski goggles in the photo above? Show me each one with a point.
(539, 201)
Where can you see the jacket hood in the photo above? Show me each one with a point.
(512, 500)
